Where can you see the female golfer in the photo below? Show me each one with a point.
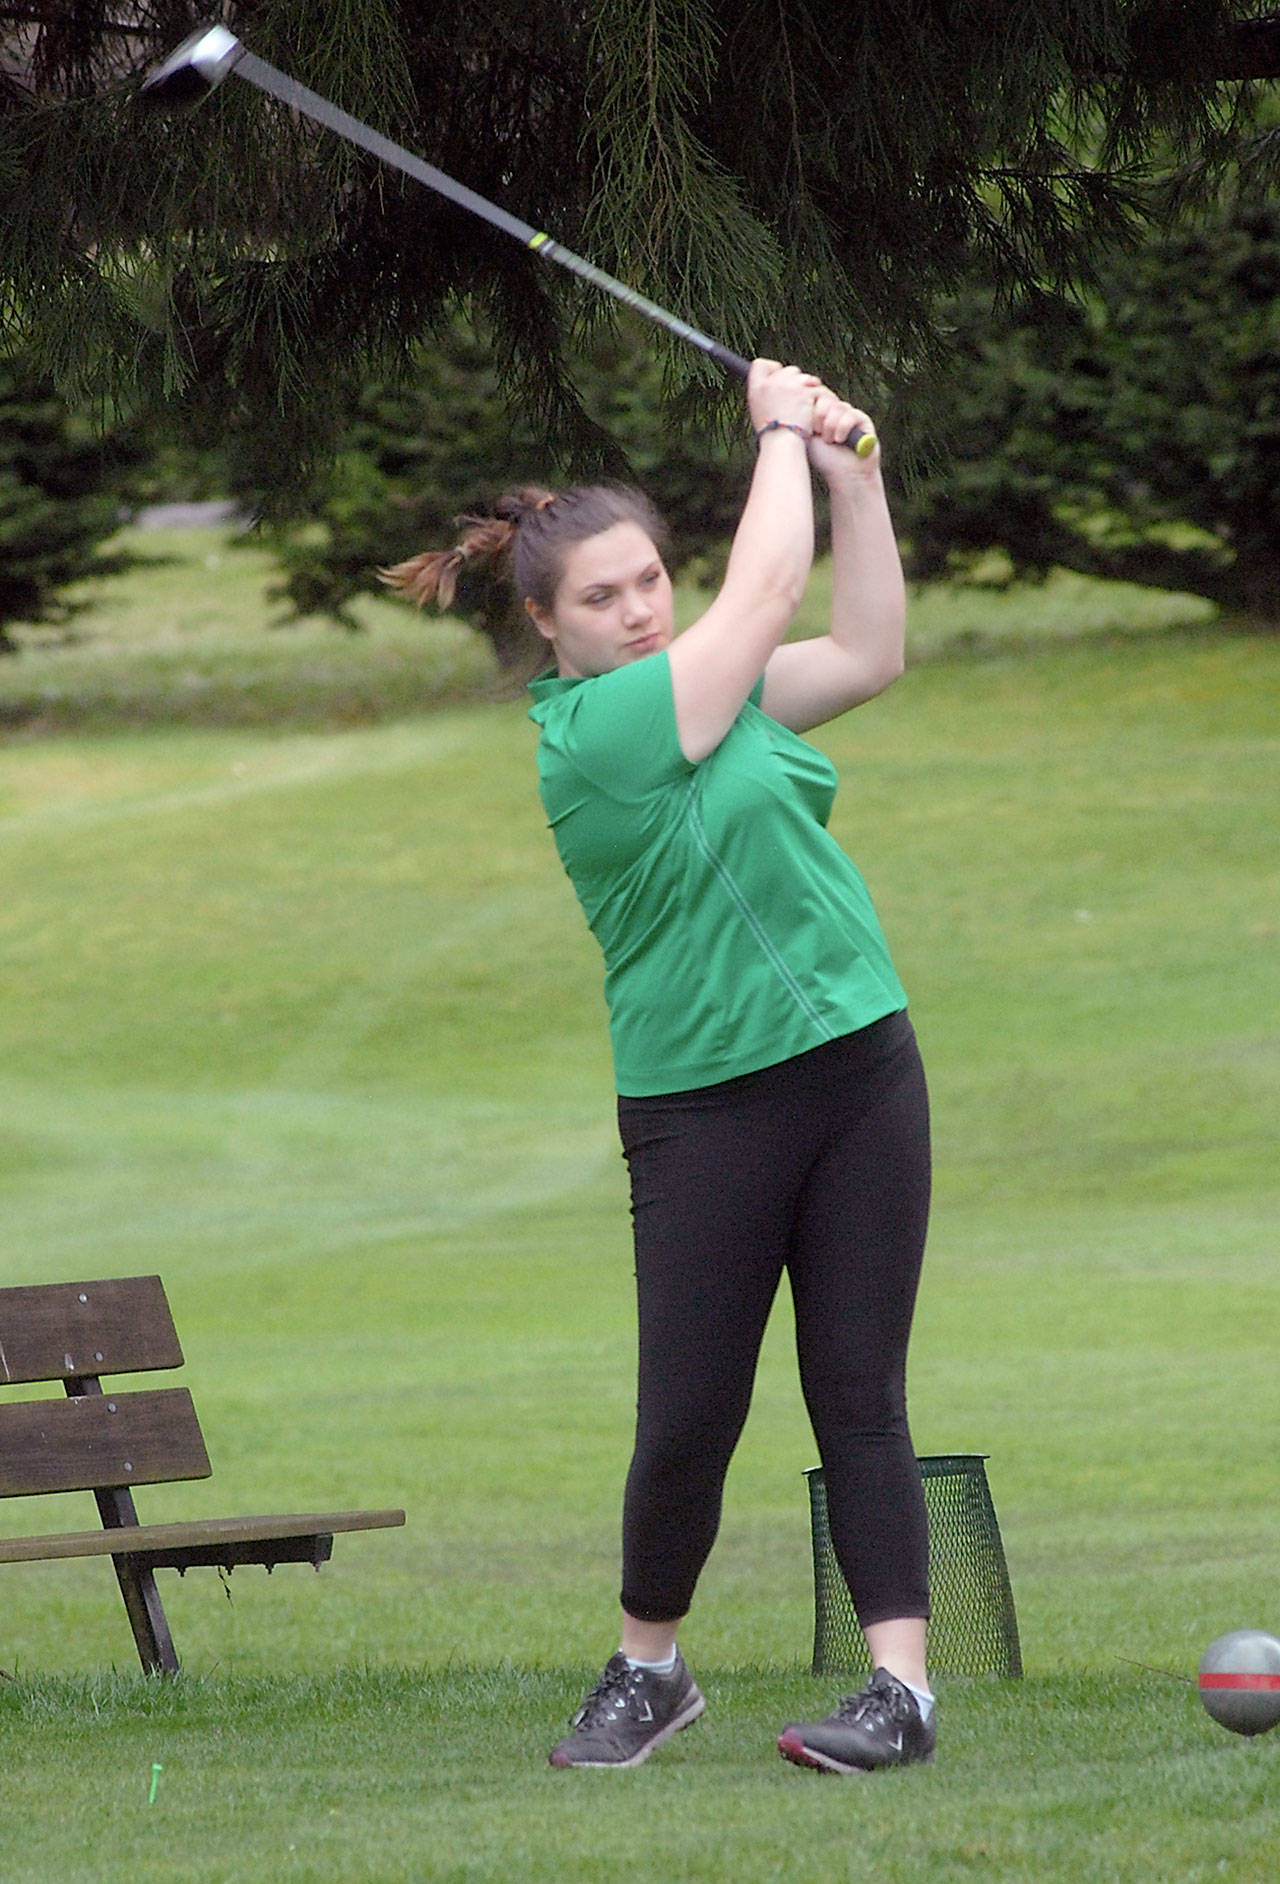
(772, 1104)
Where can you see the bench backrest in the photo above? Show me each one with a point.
(68, 1330)
(75, 1332)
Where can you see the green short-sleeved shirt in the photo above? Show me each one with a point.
(736, 932)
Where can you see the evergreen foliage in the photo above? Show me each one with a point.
(794, 179)
(411, 459)
(60, 495)
(1136, 436)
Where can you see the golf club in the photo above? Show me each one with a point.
(202, 61)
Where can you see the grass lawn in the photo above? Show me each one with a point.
(302, 1016)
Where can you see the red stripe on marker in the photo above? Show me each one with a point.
(1267, 1684)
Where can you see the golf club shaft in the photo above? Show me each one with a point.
(208, 56)
(279, 85)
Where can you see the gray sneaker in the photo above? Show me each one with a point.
(881, 1726)
(628, 1713)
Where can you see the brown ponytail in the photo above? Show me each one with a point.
(532, 528)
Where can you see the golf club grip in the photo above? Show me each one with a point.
(860, 440)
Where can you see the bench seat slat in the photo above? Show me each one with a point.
(100, 1440)
(204, 1533)
(64, 1330)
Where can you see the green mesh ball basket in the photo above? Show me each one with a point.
(973, 1629)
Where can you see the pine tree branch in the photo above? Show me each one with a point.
(42, 16)
(1252, 50)
(1246, 49)
(806, 180)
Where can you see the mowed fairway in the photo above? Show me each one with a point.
(308, 1022)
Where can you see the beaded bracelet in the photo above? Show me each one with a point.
(781, 425)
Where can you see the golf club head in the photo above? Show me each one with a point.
(197, 68)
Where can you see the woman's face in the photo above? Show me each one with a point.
(613, 604)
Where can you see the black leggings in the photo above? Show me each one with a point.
(819, 1166)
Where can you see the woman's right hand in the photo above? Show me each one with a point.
(780, 395)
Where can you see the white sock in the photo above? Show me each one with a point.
(655, 1668)
(923, 1699)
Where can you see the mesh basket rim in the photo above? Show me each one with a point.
(932, 1464)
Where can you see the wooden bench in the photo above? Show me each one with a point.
(107, 1443)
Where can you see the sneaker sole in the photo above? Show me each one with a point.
(696, 1707)
(793, 1748)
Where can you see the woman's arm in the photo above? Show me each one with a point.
(716, 662)
(809, 682)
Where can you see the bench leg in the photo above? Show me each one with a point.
(138, 1587)
(146, 1614)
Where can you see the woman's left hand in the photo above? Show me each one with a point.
(833, 421)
